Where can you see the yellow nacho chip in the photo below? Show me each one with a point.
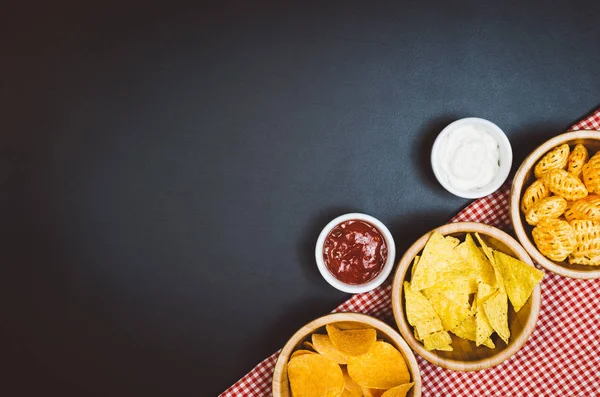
(475, 256)
(398, 391)
(313, 375)
(420, 313)
(483, 328)
(452, 240)
(519, 278)
(323, 346)
(496, 311)
(382, 367)
(352, 342)
(440, 340)
(414, 266)
(467, 329)
(451, 313)
(438, 255)
(489, 343)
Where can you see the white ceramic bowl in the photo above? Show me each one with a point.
(505, 157)
(387, 266)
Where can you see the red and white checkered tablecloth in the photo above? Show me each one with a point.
(561, 358)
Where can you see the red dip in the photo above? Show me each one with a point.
(354, 252)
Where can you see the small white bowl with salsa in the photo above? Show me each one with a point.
(355, 253)
(471, 157)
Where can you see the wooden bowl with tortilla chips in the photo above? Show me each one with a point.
(348, 353)
(466, 296)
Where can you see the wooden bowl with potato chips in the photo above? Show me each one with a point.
(466, 296)
(346, 355)
(581, 259)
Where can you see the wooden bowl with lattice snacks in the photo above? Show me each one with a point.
(555, 204)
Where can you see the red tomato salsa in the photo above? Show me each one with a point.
(354, 252)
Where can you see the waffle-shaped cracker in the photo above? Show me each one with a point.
(534, 193)
(554, 238)
(587, 208)
(546, 208)
(587, 248)
(577, 159)
(556, 158)
(563, 184)
(591, 174)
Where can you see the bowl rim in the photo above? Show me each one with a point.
(309, 328)
(406, 329)
(387, 266)
(515, 199)
(506, 156)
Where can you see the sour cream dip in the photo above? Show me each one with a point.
(471, 157)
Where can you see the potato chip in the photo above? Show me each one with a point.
(496, 311)
(351, 388)
(587, 247)
(344, 325)
(300, 352)
(398, 391)
(556, 158)
(587, 208)
(534, 193)
(563, 184)
(438, 255)
(578, 157)
(347, 393)
(308, 345)
(591, 174)
(313, 375)
(420, 313)
(323, 346)
(382, 367)
(547, 208)
(372, 392)
(352, 342)
(440, 340)
(519, 278)
(483, 328)
(554, 238)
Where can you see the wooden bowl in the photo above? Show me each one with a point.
(280, 380)
(466, 356)
(524, 177)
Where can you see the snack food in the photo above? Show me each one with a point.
(566, 193)
(465, 290)
(349, 361)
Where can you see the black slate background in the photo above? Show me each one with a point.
(165, 169)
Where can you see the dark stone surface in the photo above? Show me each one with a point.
(165, 170)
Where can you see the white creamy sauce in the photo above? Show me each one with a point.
(469, 157)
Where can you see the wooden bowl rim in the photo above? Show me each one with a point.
(309, 328)
(405, 329)
(515, 212)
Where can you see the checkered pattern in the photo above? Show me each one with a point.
(561, 358)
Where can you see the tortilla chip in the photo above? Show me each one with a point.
(452, 240)
(478, 261)
(323, 346)
(414, 266)
(420, 313)
(352, 342)
(312, 375)
(438, 341)
(451, 313)
(496, 311)
(519, 278)
(438, 255)
(456, 288)
(489, 343)
(383, 367)
(398, 391)
(466, 329)
(483, 327)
